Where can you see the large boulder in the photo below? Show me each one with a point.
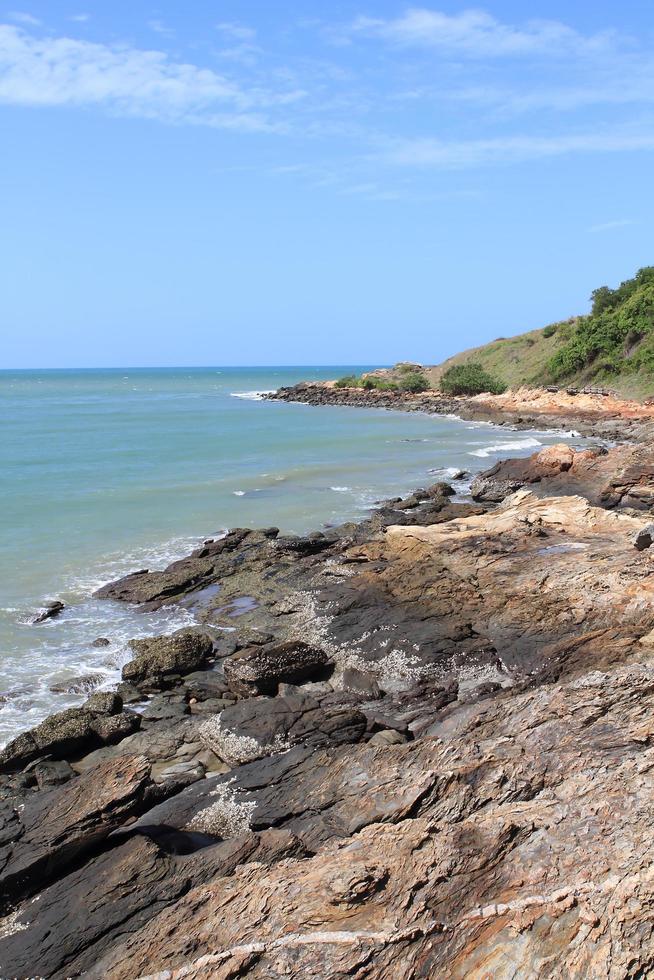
(99, 721)
(260, 670)
(160, 657)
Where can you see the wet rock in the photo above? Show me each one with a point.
(99, 721)
(77, 685)
(259, 670)
(310, 544)
(201, 568)
(158, 659)
(56, 827)
(492, 490)
(49, 611)
(101, 641)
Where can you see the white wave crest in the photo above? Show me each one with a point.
(505, 447)
(253, 396)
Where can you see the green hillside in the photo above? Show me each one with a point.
(612, 347)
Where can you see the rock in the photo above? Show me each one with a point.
(360, 682)
(203, 684)
(77, 685)
(489, 489)
(159, 658)
(488, 831)
(260, 670)
(50, 773)
(200, 569)
(643, 538)
(49, 611)
(57, 827)
(257, 727)
(101, 641)
(387, 737)
(162, 708)
(99, 721)
(86, 914)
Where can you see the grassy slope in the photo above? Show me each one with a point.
(612, 348)
(514, 360)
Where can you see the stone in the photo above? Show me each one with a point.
(50, 773)
(49, 611)
(258, 727)
(101, 641)
(644, 537)
(67, 734)
(257, 670)
(162, 657)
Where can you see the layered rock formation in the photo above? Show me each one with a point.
(423, 748)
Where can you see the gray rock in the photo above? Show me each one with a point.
(162, 657)
(100, 721)
(643, 539)
(259, 670)
(49, 611)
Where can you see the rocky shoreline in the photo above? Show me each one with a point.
(594, 415)
(419, 745)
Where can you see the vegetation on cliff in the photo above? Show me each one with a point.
(612, 346)
(469, 379)
(403, 377)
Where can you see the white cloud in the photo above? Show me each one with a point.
(612, 225)
(80, 18)
(65, 71)
(22, 18)
(160, 28)
(477, 34)
(236, 31)
(462, 154)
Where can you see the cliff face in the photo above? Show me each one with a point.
(424, 749)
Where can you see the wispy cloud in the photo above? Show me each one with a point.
(19, 17)
(47, 71)
(159, 27)
(461, 154)
(477, 34)
(238, 32)
(80, 18)
(611, 225)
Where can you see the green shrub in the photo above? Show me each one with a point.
(414, 382)
(618, 320)
(551, 330)
(406, 367)
(349, 381)
(470, 379)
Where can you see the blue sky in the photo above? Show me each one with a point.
(351, 182)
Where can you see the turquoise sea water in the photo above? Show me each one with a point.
(107, 471)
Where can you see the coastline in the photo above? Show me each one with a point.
(350, 713)
(592, 415)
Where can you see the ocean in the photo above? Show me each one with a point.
(108, 471)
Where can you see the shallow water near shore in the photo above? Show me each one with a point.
(108, 471)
